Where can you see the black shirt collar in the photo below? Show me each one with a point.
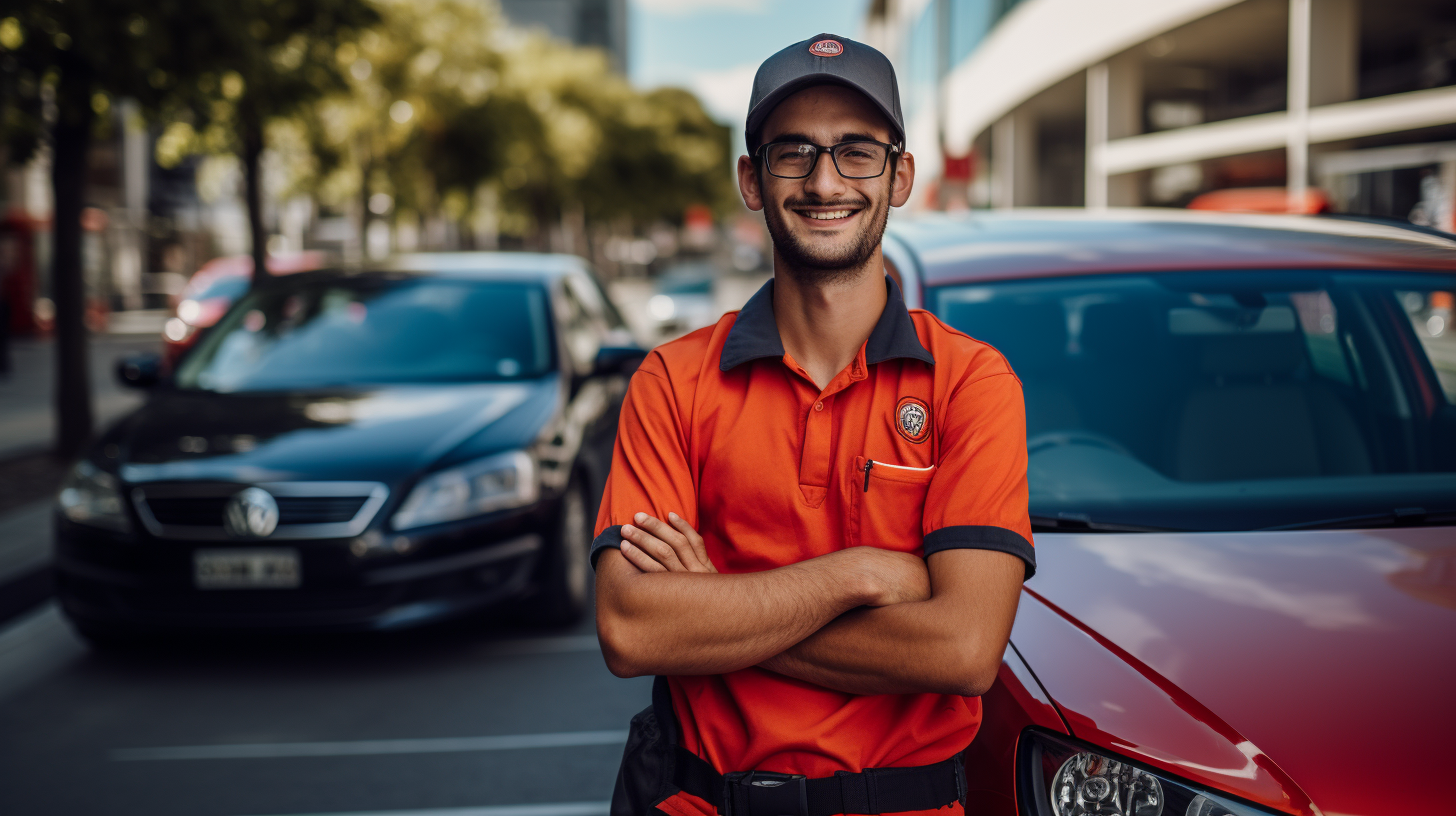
(755, 334)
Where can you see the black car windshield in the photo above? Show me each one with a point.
(339, 331)
(1228, 400)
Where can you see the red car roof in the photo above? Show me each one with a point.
(993, 245)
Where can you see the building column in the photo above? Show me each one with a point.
(1003, 162)
(1097, 93)
(1324, 53)
(1447, 216)
(1013, 161)
(1297, 142)
(1114, 111)
(128, 260)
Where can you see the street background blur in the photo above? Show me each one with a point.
(156, 153)
(144, 144)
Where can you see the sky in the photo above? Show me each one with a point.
(713, 47)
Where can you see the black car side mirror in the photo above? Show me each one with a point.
(617, 360)
(142, 370)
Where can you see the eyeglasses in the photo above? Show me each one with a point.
(860, 159)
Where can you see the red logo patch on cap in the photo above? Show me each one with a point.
(826, 48)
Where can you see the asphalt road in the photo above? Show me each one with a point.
(484, 719)
(481, 719)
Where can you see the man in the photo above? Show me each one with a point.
(816, 521)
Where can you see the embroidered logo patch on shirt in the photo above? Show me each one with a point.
(912, 419)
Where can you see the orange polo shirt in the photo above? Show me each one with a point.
(919, 445)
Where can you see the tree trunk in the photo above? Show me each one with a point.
(365, 216)
(252, 139)
(70, 143)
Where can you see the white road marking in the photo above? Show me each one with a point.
(441, 745)
(560, 809)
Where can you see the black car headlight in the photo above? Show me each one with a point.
(498, 482)
(92, 496)
(1062, 778)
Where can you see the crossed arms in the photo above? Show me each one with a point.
(860, 620)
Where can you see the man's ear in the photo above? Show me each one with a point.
(748, 183)
(903, 181)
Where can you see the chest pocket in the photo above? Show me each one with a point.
(888, 504)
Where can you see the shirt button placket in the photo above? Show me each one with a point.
(814, 463)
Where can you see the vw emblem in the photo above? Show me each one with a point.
(251, 513)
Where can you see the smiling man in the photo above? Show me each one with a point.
(815, 528)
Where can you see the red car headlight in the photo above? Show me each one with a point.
(1058, 777)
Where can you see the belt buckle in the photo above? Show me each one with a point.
(768, 794)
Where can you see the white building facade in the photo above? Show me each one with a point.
(1346, 105)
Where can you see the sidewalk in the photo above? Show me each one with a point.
(27, 408)
(28, 476)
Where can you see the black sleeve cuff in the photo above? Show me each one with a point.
(611, 538)
(970, 537)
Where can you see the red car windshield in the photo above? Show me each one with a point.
(1228, 401)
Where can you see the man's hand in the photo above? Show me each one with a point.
(655, 546)
(846, 654)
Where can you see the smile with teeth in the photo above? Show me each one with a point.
(827, 215)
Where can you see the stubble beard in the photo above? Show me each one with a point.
(817, 267)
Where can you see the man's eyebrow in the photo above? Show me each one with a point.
(843, 137)
(790, 137)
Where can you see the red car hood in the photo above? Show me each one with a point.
(1271, 665)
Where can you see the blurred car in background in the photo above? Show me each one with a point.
(1262, 200)
(684, 298)
(1242, 470)
(358, 450)
(214, 287)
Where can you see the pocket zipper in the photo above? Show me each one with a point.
(870, 463)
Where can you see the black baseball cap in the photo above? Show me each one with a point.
(827, 58)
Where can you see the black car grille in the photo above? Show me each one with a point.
(318, 509)
(189, 512)
(196, 511)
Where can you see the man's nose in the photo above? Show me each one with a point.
(824, 180)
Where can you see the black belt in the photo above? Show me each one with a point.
(871, 791)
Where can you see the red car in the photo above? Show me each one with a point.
(1242, 467)
(214, 287)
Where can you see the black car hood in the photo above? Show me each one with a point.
(384, 434)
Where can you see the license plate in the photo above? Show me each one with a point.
(246, 569)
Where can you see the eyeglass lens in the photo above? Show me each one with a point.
(854, 159)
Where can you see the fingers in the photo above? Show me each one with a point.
(695, 540)
(677, 547)
(653, 547)
(681, 546)
(640, 559)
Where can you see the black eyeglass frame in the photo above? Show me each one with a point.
(819, 150)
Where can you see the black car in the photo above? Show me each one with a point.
(358, 449)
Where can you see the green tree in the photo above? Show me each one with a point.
(444, 101)
(259, 62)
(62, 63)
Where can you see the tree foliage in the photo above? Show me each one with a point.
(62, 62)
(444, 101)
